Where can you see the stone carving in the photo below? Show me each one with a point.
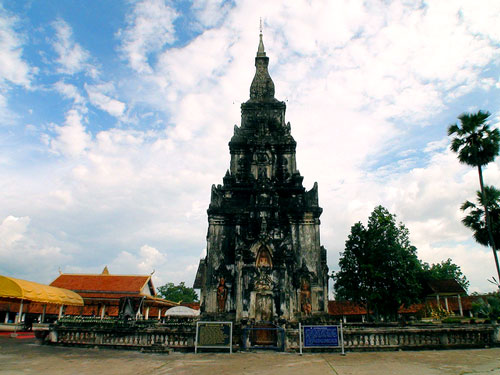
(305, 297)
(263, 281)
(264, 258)
(221, 295)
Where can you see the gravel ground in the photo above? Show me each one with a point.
(25, 356)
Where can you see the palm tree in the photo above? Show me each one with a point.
(477, 145)
(475, 219)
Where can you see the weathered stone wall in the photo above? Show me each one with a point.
(411, 338)
(264, 258)
(181, 336)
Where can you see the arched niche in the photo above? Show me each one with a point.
(264, 258)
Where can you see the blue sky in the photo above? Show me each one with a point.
(115, 118)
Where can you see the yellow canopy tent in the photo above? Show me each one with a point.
(31, 291)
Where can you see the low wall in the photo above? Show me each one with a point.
(181, 336)
(158, 338)
(413, 338)
(11, 327)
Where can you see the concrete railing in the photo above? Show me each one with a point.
(159, 338)
(420, 337)
(363, 338)
(181, 336)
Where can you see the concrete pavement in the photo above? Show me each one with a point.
(27, 357)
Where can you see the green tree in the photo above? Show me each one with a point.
(177, 293)
(487, 306)
(477, 145)
(444, 271)
(379, 267)
(475, 215)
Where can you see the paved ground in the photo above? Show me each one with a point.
(25, 356)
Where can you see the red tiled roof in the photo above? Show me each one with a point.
(339, 308)
(92, 284)
(345, 308)
(449, 286)
(192, 305)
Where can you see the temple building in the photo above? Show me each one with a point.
(264, 260)
(86, 295)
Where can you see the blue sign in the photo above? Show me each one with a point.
(321, 336)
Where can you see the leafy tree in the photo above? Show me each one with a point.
(487, 306)
(379, 267)
(177, 293)
(443, 271)
(477, 145)
(475, 217)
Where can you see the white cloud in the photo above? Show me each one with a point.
(150, 27)
(12, 229)
(72, 92)
(72, 58)
(97, 96)
(72, 139)
(211, 12)
(20, 245)
(365, 82)
(13, 68)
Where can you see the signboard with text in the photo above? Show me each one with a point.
(321, 337)
(214, 335)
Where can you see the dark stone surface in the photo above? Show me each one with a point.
(263, 235)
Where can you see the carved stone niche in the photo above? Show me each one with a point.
(264, 258)
(305, 297)
(221, 295)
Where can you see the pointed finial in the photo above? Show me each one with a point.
(260, 51)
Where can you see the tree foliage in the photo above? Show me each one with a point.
(475, 219)
(474, 142)
(477, 145)
(379, 267)
(444, 271)
(487, 306)
(177, 293)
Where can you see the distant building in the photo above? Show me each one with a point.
(103, 292)
(23, 301)
(447, 295)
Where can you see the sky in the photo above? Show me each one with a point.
(115, 118)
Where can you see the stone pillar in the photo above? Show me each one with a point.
(460, 305)
(446, 304)
(61, 312)
(6, 317)
(239, 290)
(43, 313)
(159, 313)
(20, 314)
(147, 313)
(103, 311)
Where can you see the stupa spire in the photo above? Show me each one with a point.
(260, 51)
(262, 87)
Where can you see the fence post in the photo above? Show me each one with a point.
(300, 338)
